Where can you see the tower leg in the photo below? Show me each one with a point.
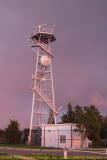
(30, 132)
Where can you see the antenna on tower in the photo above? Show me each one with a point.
(40, 25)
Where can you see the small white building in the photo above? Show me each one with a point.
(61, 135)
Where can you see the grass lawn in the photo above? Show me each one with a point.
(24, 146)
(48, 157)
(8, 157)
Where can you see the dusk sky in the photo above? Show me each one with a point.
(80, 54)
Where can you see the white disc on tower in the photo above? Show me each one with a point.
(45, 60)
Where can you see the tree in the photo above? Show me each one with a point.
(80, 123)
(25, 135)
(13, 134)
(51, 117)
(104, 128)
(92, 123)
(69, 117)
(88, 122)
(76, 116)
(104, 131)
(2, 136)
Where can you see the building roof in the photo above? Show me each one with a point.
(64, 124)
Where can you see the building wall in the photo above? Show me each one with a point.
(60, 136)
(52, 136)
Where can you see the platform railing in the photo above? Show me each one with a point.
(43, 30)
(35, 43)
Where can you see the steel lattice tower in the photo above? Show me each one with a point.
(43, 102)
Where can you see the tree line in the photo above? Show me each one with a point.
(89, 122)
(12, 134)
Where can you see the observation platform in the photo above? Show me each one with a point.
(44, 35)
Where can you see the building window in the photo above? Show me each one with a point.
(62, 138)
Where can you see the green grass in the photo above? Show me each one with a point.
(50, 157)
(8, 157)
(26, 147)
